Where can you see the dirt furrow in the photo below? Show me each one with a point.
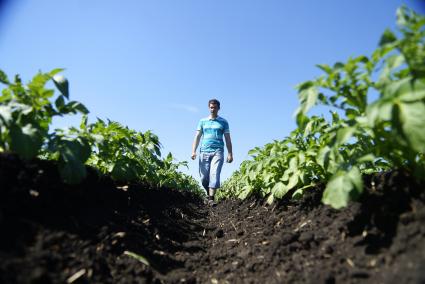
(103, 232)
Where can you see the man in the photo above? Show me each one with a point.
(211, 156)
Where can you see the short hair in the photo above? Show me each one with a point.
(215, 102)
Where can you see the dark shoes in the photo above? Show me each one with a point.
(211, 202)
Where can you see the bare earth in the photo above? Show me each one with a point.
(56, 233)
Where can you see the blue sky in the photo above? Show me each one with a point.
(155, 64)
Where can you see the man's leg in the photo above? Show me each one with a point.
(215, 170)
(204, 170)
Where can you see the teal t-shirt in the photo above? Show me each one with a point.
(212, 133)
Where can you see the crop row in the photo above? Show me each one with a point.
(26, 114)
(376, 123)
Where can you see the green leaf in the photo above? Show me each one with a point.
(363, 59)
(74, 106)
(402, 16)
(26, 141)
(301, 157)
(254, 151)
(5, 115)
(38, 82)
(352, 113)
(378, 112)
(325, 68)
(3, 78)
(308, 127)
(407, 90)
(72, 171)
(344, 134)
(338, 65)
(83, 123)
(343, 187)
(74, 153)
(124, 169)
(18, 80)
(270, 199)
(245, 192)
(366, 158)
(62, 84)
(380, 53)
(308, 98)
(6, 96)
(305, 85)
(411, 118)
(298, 193)
(392, 63)
(387, 38)
(293, 180)
(323, 157)
(60, 103)
(293, 164)
(300, 117)
(98, 138)
(55, 71)
(279, 190)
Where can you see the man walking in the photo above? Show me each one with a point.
(211, 156)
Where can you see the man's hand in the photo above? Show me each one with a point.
(195, 143)
(229, 158)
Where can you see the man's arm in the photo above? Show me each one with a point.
(196, 143)
(229, 147)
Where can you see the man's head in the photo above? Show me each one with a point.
(214, 106)
(214, 102)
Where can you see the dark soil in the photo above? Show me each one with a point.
(56, 233)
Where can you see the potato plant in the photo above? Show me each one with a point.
(377, 107)
(26, 113)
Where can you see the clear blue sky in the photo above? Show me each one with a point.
(155, 64)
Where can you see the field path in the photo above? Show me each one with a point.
(101, 231)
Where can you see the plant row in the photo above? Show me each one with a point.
(376, 122)
(26, 114)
